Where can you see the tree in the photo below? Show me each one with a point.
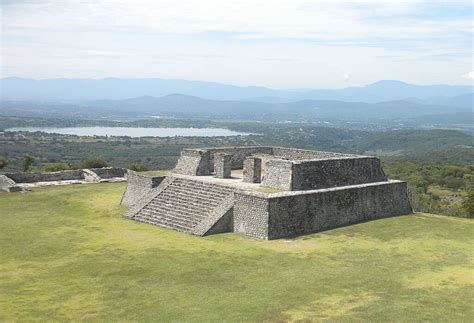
(26, 161)
(137, 167)
(3, 162)
(468, 204)
(95, 162)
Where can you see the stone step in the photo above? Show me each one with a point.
(195, 184)
(201, 193)
(200, 190)
(183, 204)
(169, 218)
(165, 225)
(169, 213)
(174, 209)
(162, 212)
(195, 211)
(188, 200)
(178, 219)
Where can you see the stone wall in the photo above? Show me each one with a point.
(138, 185)
(222, 165)
(316, 174)
(201, 161)
(238, 154)
(65, 175)
(322, 166)
(293, 213)
(252, 172)
(277, 173)
(109, 172)
(299, 154)
(193, 162)
(251, 215)
(23, 181)
(332, 208)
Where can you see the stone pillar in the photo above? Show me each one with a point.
(222, 165)
(252, 170)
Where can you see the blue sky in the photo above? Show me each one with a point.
(275, 43)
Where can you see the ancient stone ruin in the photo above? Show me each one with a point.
(14, 182)
(265, 192)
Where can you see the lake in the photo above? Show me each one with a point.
(134, 132)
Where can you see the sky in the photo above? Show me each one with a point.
(274, 43)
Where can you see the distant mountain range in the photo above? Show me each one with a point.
(78, 90)
(178, 105)
(186, 107)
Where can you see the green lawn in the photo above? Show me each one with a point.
(66, 254)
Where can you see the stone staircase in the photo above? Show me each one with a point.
(184, 205)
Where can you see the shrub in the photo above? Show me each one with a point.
(56, 167)
(468, 204)
(3, 162)
(26, 162)
(137, 167)
(95, 162)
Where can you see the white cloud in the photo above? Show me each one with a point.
(272, 42)
(469, 75)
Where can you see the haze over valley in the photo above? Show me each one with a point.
(385, 103)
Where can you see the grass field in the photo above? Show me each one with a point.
(66, 254)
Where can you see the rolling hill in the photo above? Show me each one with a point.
(61, 90)
(185, 106)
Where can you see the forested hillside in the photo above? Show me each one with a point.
(436, 163)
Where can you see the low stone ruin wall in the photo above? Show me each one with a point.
(238, 154)
(138, 185)
(193, 162)
(109, 172)
(201, 161)
(65, 175)
(293, 213)
(11, 182)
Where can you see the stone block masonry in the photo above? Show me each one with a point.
(337, 207)
(303, 154)
(19, 181)
(252, 171)
(283, 193)
(200, 162)
(222, 165)
(238, 154)
(278, 173)
(186, 205)
(109, 172)
(66, 175)
(138, 185)
(315, 174)
(251, 215)
(193, 162)
(294, 213)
